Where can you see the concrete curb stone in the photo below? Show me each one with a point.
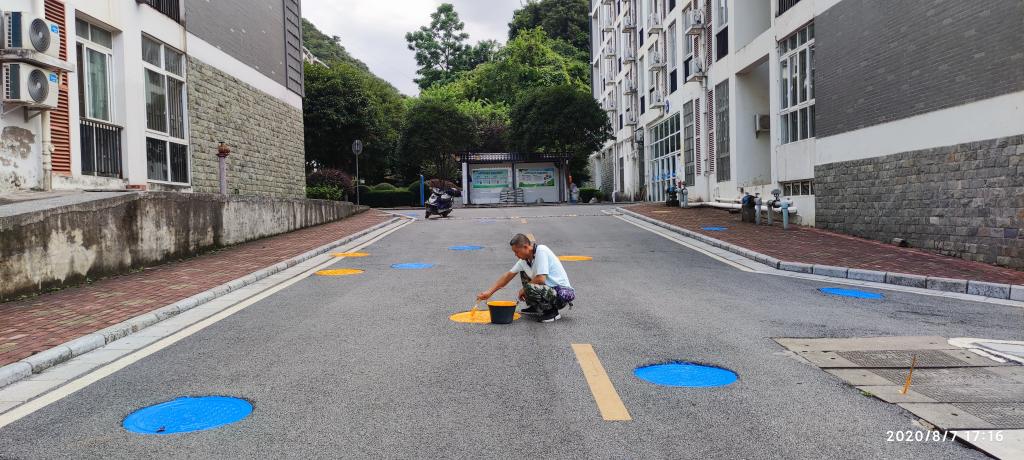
(979, 288)
(43, 360)
(947, 284)
(999, 291)
(906, 279)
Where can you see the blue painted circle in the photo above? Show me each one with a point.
(686, 375)
(714, 229)
(466, 248)
(411, 266)
(852, 293)
(187, 414)
(486, 221)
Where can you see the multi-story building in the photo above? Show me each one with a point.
(140, 94)
(880, 119)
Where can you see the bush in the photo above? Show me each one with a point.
(331, 178)
(363, 190)
(587, 193)
(324, 192)
(390, 198)
(415, 185)
(384, 186)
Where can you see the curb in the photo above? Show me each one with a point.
(959, 286)
(48, 358)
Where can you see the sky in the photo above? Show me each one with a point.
(373, 31)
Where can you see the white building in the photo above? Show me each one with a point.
(857, 115)
(145, 91)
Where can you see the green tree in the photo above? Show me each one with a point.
(342, 104)
(327, 48)
(434, 129)
(440, 47)
(528, 61)
(560, 119)
(567, 20)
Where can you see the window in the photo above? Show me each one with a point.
(785, 5)
(797, 188)
(796, 85)
(166, 135)
(663, 153)
(723, 13)
(722, 44)
(722, 163)
(95, 62)
(687, 50)
(689, 168)
(671, 48)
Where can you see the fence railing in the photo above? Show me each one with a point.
(101, 149)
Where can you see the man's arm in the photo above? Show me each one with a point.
(502, 281)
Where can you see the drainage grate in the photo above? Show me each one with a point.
(901, 358)
(944, 376)
(972, 393)
(1002, 415)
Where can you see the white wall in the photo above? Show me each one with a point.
(751, 154)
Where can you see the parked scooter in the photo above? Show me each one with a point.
(440, 201)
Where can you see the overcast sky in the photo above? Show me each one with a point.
(373, 31)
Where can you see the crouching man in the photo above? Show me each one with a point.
(546, 287)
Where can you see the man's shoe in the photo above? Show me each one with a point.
(550, 316)
(530, 311)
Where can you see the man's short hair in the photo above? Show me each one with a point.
(520, 240)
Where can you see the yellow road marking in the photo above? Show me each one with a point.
(575, 258)
(601, 387)
(339, 272)
(350, 254)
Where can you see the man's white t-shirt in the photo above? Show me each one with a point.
(545, 262)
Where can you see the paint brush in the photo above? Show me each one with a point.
(910, 375)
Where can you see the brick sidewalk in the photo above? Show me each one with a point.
(39, 323)
(814, 246)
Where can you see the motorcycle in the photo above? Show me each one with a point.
(440, 202)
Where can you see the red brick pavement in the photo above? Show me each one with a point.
(39, 323)
(814, 246)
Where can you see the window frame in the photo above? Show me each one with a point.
(663, 156)
(723, 154)
(165, 136)
(689, 142)
(82, 47)
(795, 110)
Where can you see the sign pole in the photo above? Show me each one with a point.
(357, 148)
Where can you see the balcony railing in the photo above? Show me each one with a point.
(101, 149)
(785, 5)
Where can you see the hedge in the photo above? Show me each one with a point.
(324, 192)
(587, 193)
(389, 198)
(384, 186)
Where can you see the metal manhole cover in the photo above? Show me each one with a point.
(1002, 415)
(972, 393)
(187, 414)
(902, 358)
(944, 376)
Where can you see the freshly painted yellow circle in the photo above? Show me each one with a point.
(350, 254)
(339, 272)
(575, 258)
(477, 316)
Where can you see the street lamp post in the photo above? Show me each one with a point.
(357, 148)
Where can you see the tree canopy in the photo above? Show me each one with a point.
(567, 20)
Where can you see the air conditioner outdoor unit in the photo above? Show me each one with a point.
(761, 123)
(25, 31)
(696, 71)
(631, 119)
(30, 86)
(695, 22)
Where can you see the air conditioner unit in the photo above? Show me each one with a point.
(630, 118)
(695, 22)
(628, 22)
(25, 31)
(653, 23)
(639, 136)
(761, 123)
(657, 60)
(696, 71)
(657, 100)
(30, 86)
(630, 85)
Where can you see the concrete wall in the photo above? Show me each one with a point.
(67, 244)
(964, 200)
(878, 61)
(265, 135)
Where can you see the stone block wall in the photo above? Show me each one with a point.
(964, 200)
(265, 135)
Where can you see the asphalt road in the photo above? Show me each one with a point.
(369, 366)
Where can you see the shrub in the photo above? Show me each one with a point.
(587, 193)
(324, 192)
(330, 177)
(363, 190)
(384, 186)
(389, 198)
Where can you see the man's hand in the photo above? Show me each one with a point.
(522, 294)
(483, 296)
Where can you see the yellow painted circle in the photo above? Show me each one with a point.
(339, 272)
(476, 317)
(575, 258)
(662, 212)
(350, 254)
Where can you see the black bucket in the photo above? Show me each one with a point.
(502, 312)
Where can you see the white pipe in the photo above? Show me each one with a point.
(792, 209)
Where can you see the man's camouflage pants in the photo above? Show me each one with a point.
(540, 296)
